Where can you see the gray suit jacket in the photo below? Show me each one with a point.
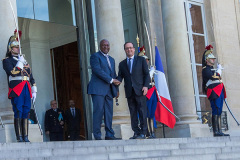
(102, 74)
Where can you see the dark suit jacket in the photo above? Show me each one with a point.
(138, 79)
(52, 123)
(102, 74)
(73, 123)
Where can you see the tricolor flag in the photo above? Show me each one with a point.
(163, 115)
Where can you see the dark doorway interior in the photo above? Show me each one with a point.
(67, 82)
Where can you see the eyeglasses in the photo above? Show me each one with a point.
(128, 48)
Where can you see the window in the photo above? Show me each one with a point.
(57, 11)
(197, 41)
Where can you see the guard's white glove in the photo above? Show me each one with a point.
(219, 66)
(34, 96)
(21, 58)
(219, 69)
(20, 62)
(34, 93)
(151, 72)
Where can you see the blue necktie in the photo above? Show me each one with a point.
(73, 112)
(129, 64)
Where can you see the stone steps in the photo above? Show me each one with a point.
(219, 148)
(6, 115)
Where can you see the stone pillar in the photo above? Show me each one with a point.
(110, 26)
(7, 28)
(180, 72)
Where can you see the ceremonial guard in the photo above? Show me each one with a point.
(20, 80)
(151, 96)
(214, 88)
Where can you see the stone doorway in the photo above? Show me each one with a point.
(67, 80)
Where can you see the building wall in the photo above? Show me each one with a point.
(223, 25)
(7, 28)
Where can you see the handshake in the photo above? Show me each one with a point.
(116, 82)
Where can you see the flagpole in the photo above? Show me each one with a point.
(149, 43)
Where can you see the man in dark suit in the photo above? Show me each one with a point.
(103, 88)
(73, 119)
(134, 71)
(54, 123)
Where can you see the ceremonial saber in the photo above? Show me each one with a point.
(166, 107)
(39, 126)
(16, 24)
(149, 43)
(231, 112)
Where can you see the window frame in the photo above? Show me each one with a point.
(190, 33)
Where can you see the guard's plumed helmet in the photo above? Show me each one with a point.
(142, 53)
(13, 41)
(207, 54)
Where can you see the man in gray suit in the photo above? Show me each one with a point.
(103, 88)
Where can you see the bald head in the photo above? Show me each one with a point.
(104, 46)
(53, 104)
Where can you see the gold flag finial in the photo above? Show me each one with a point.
(137, 40)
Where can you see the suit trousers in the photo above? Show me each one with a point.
(102, 105)
(74, 135)
(56, 136)
(137, 105)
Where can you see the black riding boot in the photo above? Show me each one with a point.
(25, 130)
(215, 126)
(18, 129)
(220, 126)
(150, 128)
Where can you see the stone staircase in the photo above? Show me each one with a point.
(7, 132)
(218, 148)
(6, 115)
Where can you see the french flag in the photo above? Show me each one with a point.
(163, 115)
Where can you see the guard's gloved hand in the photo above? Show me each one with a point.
(219, 69)
(21, 61)
(219, 66)
(151, 72)
(34, 93)
(34, 96)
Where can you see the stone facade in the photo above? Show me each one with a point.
(165, 20)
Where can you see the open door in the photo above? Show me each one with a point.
(67, 81)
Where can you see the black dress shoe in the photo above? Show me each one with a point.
(134, 136)
(141, 136)
(112, 138)
(98, 138)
